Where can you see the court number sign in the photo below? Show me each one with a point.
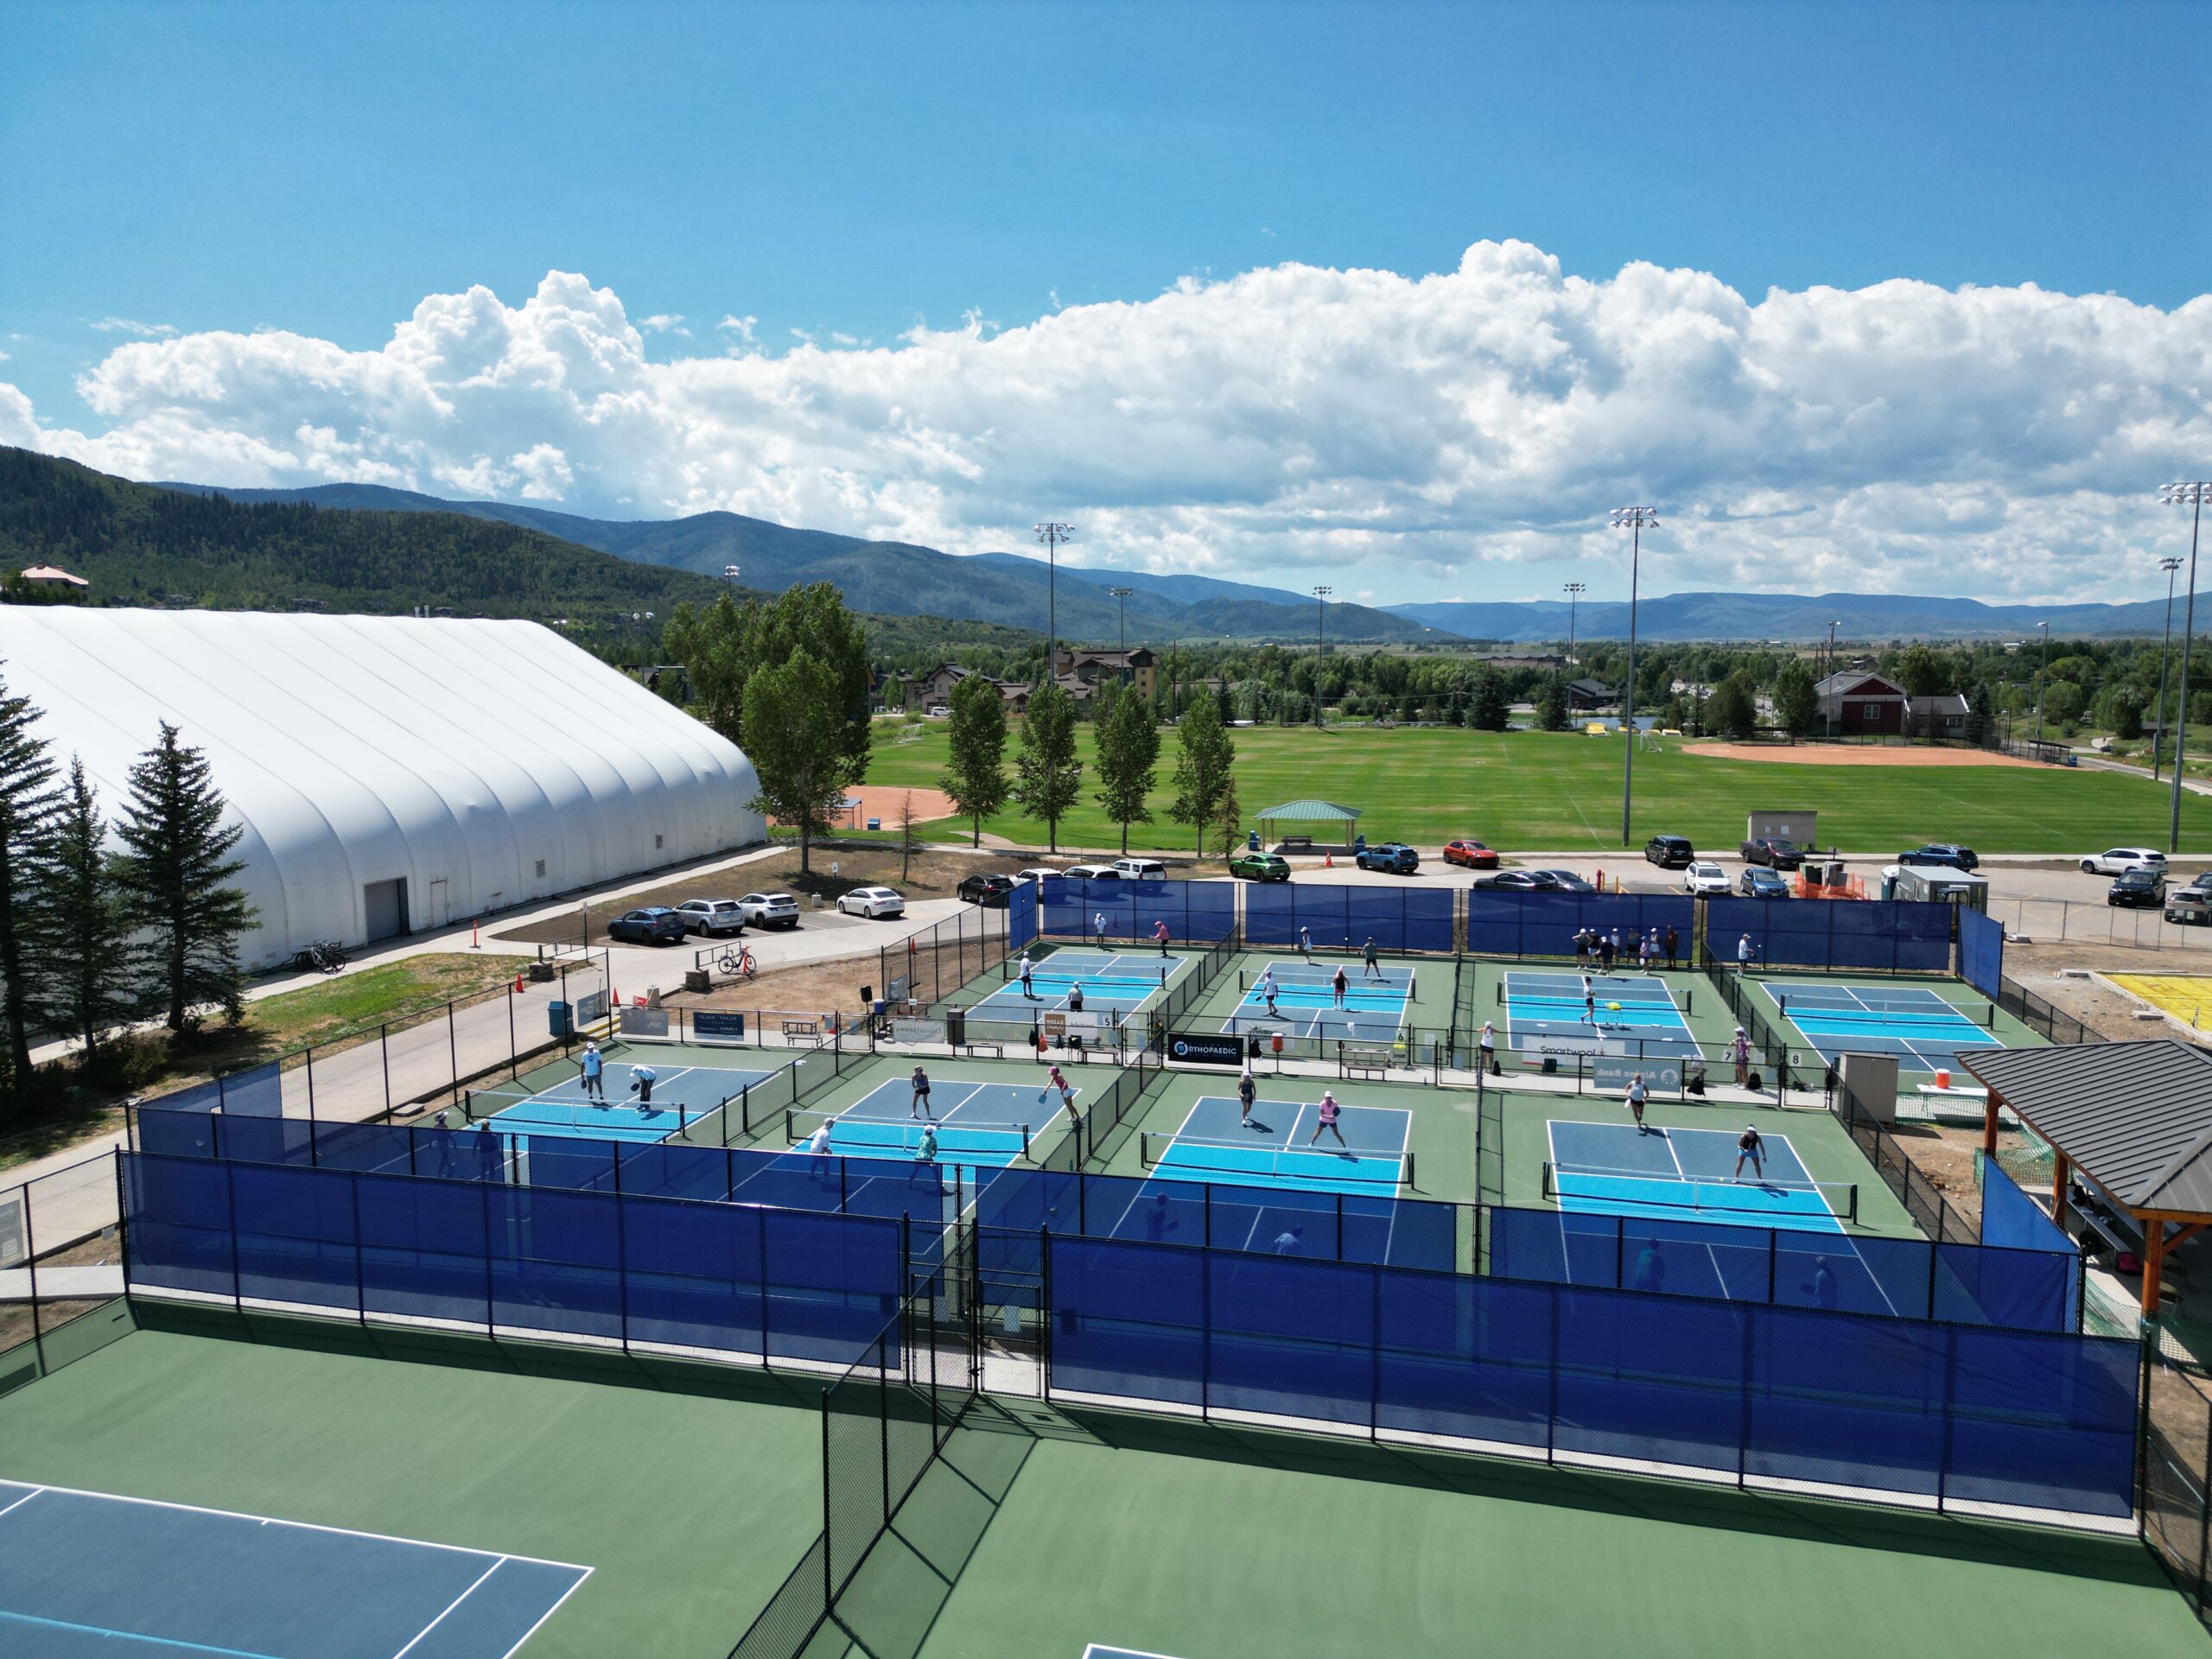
(1206, 1047)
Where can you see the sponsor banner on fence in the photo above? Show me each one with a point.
(591, 1008)
(1611, 1072)
(723, 1023)
(644, 1022)
(1562, 1043)
(1206, 1047)
(919, 1031)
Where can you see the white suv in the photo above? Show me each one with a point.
(1092, 873)
(872, 901)
(2119, 858)
(718, 917)
(1705, 878)
(1142, 869)
(770, 909)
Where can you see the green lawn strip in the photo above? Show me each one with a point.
(1563, 791)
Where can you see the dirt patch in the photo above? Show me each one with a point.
(1854, 755)
(885, 803)
(2110, 1013)
(934, 972)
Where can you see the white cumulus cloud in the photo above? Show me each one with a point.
(664, 323)
(1998, 442)
(143, 330)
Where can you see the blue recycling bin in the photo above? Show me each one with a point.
(1251, 841)
(557, 1020)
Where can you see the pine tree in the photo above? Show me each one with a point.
(1491, 712)
(27, 801)
(174, 877)
(1049, 776)
(1202, 771)
(1129, 749)
(82, 927)
(1228, 818)
(1551, 704)
(976, 780)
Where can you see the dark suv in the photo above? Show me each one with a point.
(2141, 888)
(1669, 852)
(657, 924)
(1392, 855)
(1943, 853)
(1775, 855)
(989, 891)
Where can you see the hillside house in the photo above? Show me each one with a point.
(1138, 665)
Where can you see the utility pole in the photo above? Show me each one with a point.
(2159, 734)
(1635, 521)
(2189, 495)
(1320, 610)
(2042, 661)
(1574, 591)
(1122, 594)
(1052, 535)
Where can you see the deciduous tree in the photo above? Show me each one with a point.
(1202, 768)
(1049, 776)
(975, 778)
(1128, 750)
(797, 726)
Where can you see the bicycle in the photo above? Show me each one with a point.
(736, 961)
(324, 956)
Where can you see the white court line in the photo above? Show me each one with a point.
(581, 1572)
(20, 1502)
(450, 1606)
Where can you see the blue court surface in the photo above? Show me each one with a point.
(682, 1096)
(1688, 1175)
(86, 1574)
(1112, 982)
(981, 1123)
(1910, 1021)
(1633, 1015)
(1279, 1147)
(1306, 1005)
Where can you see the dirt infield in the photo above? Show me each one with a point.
(882, 803)
(1854, 755)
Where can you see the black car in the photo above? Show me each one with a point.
(1392, 855)
(1568, 881)
(657, 924)
(987, 890)
(1669, 852)
(2141, 888)
(1773, 853)
(1941, 852)
(1519, 880)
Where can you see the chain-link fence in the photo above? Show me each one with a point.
(2091, 921)
(60, 1269)
(2176, 1499)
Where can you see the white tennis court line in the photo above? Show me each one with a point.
(450, 1606)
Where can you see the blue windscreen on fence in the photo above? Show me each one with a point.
(1021, 912)
(1341, 917)
(1956, 1413)
(1015, 1206)
(729, 1278)
(2012, 1219)
(1981, 951)
(1886, 1278)
(1503, 923)
(1888, 934)
(1199, 912)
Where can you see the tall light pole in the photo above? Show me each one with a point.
(1052, 535)
(1833, 626)
(729, 575)
(2165, 643)
(1635, 521)
(2189, 495)
(1122, 594)
(1574, 592)
(2041, 661)
(1320, 611)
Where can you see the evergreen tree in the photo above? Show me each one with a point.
(1202, 771)
(975, 778)
(28, 800)
(1734, 709)
(1490, 707)
(1128, 748)
(1049, 776)
(83, 931)
(1796, 699)
(1551, 704)
(1228, 818)
(795, 718)
(174, 878)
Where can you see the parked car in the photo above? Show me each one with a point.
(2141, 888)
(873, 901)
(1472, 853)
(1701, 879)
(1519, 880)
(1259, 866)
(715, 917)
(1141, 869)
(1392, 855)
(1941, 852)
(1092, 873)
(2114, 860)
(1772, 852)
(2188, 906)
(986, 888)
(1036, 873)
(1756, 883)
(655, 925)
(1669, 852)
(1568, 881)
(771, 909)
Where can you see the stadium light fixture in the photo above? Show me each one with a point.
(1635, 521)
(1574, 591)
(729, 575)
(1052, 535)
(2165, 643)
(2042, 661)
(2190, 495)
(1320, 611)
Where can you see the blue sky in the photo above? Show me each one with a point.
(846, 173)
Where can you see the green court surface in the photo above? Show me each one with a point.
(1416, 991)
(688, 1490)
(997, 982)
(1011, 1088)
(1204, 1542)
(1918, 1001)
(1696, 1001)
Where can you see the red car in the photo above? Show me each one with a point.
(1472, 853)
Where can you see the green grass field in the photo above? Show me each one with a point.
(1562, 791)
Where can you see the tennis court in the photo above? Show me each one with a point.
(1921, 1028)
(1285, 1146)
(1633, 1015)
(91, 1572)
(1111, 983)
(682, 1096)
(976, 1122)
(1689, 1175)
(1299, 1000)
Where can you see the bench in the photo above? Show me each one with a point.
(1298, 843)
(1363, 1060)
(811, 1028)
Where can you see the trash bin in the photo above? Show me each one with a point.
(1251, 841)
(956, 1026)
(1359, 842)
(556, 1019)
(875, 824)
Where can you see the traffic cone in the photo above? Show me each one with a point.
(1328, 861)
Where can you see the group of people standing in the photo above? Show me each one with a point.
(1595, 946)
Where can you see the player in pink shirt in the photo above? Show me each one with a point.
(1329, 1112)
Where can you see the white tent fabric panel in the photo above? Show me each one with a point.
(486, 763)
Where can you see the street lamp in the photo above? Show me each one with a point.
(1320, 611)
(2165, 643)
(1574, 592)
(1122, 594)
(1635, 521)
(2041, 660)
(1833, 626)
(2189, 495)
(1052, 535)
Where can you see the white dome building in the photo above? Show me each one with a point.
(392, 774)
